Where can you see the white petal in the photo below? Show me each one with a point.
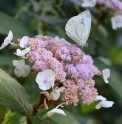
(57, 111)
(89, 3)
(26, 71)
(106, 75)
(55, 93)
(10, 35)
(18, 72)
(16, 64)
(18, 52)
(7, 40)
(22, 63)
(59, 89)
(23, 52)
(24, 41)
(50, 113)
(105, 104)
(98, 106)
(116, 21)
(45, 79)
(99, 97)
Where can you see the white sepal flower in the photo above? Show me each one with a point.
(45, 79)
(99, 97)
(105, 104)
(56, 110)
(22, 52)
(106, 75)
(55, 93)
(89, 3)
(7, 40)
(24, 42)
(116, 21)
(20, 68)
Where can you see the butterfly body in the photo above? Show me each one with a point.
(78, 28)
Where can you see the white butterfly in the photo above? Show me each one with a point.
(78, 28)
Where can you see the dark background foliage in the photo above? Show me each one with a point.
(48, 17)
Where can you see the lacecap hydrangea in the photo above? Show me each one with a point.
(61, 68)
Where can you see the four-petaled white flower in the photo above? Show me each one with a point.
(56, 110)
(20, 68)
(22, 52)
(116, 21)
(7, 40)
(55, 93)
(106, 75)
(105, 104)
(24, 42)
(45, 79)
(89, 3)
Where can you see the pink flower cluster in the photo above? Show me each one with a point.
(73, 68)
(114, 5)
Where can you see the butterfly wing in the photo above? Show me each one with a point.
(78, 27)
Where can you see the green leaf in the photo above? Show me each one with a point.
(77, 2)
(18, 28)
(2, 113)
(36, 6)
(43, 120)
(116, 55)
(13, 95)
(13, 118)
(87, 108)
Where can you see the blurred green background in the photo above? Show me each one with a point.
(48, 17)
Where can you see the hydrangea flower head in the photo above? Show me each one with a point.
(64, 60)
(60, 68)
